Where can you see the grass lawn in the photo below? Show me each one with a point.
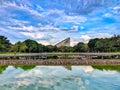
(11, 53)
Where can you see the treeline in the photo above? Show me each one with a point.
(31, 46)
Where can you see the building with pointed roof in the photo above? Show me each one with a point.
(65, 42)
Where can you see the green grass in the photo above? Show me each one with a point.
(11, 53)
(107, 67)
(52, 52)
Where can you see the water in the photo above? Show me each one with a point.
(58, 78)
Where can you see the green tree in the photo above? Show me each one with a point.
(23, 47)
(91, 44)
(32, 46)
(103, 45)
(65, 49)
(42, 48)
(116, 41)
(50, 48)
(81, 47)
(19, 47)
(4, 44)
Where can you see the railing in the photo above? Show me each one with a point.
(42, 56)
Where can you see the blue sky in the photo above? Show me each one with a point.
(50, 21)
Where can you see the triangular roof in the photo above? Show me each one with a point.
(65, 42)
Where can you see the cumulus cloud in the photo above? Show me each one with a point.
(24, 82)
(43, 22)
(35, 35)
(44, 42)
(33, 72)
(74, 42)
(116, 9)
(49, 27)
(85, 38)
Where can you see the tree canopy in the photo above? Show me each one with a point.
(31, 46)
(4, 44)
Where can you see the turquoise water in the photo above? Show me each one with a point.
(59, 78)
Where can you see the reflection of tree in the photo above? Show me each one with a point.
(68, 67)
(25, 67)
(107, 67)
(2, 68)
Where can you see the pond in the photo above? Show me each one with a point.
(59, 78)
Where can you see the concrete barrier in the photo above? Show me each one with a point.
(59, 62)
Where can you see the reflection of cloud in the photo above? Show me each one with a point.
(57, 78)
(33, 72)
(24, 82)
(89, 69)
(109, 72)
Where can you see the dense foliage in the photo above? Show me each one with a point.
(107, 67)
(31, 46)
(4, 44)
(105, 45)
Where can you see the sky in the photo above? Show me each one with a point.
(50, 21)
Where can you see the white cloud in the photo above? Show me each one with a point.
(25, 28)
(74, 28)
(23, 7)
(74, 42)
(44, 42)
(116, 9)
(103, 35)
(34, 35)
(74, 19)
(107, 15)
(53, 12)
(62, 17)
(40, 8)
(85, 38)
(49, 27)
(52, 19)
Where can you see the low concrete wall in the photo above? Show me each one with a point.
(59, 62)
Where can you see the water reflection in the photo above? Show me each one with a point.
(58, 78)
(26, 67)
(2, 68)
(107, 67)
(68, 67)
